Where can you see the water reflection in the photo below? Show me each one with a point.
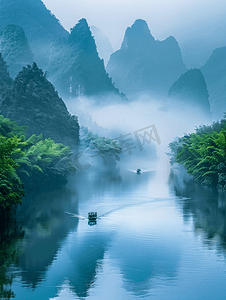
(92, 223)
(102, 182)
(148, 249)
(86, 257)
(10, 232)
(46, 225)
(206, 207)
(140, 240)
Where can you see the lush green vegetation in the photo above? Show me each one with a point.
(11, 187)
(35, 162)
(203, 154)
(33, 101)
(107, 148)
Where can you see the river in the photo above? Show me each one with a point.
(156, 238)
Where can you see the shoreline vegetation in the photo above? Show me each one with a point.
(203, 154)
(29, 163)
(34, 162)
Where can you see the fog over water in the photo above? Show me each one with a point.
(157, 233)
(112, 120)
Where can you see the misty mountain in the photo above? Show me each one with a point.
(15, 48)
(103, 44)
(34, 102)
(40, 25)
(75, 67)
(5, 79)
(191, 89)
(201, 38)
(145, 65)
(215, 73)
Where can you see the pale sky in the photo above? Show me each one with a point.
(186, 20)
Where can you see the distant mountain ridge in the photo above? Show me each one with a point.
(103, 44)
(5, 80)
(15, 48)
(75, 67)
(145, 65)
(214, 71)
(191, 90)
(71, 59)
(40, 26)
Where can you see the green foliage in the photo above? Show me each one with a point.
(203, 154)
(11, 187)
(34, 102)
(10, 129)
(35, 161)
(45, 162)
(105, 147)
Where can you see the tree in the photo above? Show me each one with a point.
(11, 187)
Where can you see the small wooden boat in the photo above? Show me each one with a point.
(92, 216)
(138, 171)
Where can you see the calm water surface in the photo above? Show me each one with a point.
(156, 238)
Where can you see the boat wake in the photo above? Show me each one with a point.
(76, 216)
(128, 205)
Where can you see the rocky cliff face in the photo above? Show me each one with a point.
(190, 89)
(215, 74)
(103, 44)
(34, 102)
(75, 67)
(145, 65)
(15, 48)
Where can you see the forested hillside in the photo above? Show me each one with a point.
(29, 163)
(203, 154)
(33, 101)
(40, 26)
(15, 49)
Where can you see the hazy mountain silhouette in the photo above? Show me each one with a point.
(103, 44)
(143, 64)
(15, 48)
(191, 89)
(5, 79)
(75, 67)
(40, 25)
(215, 73)
(33, 101)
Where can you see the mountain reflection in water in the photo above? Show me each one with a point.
(144, 244)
